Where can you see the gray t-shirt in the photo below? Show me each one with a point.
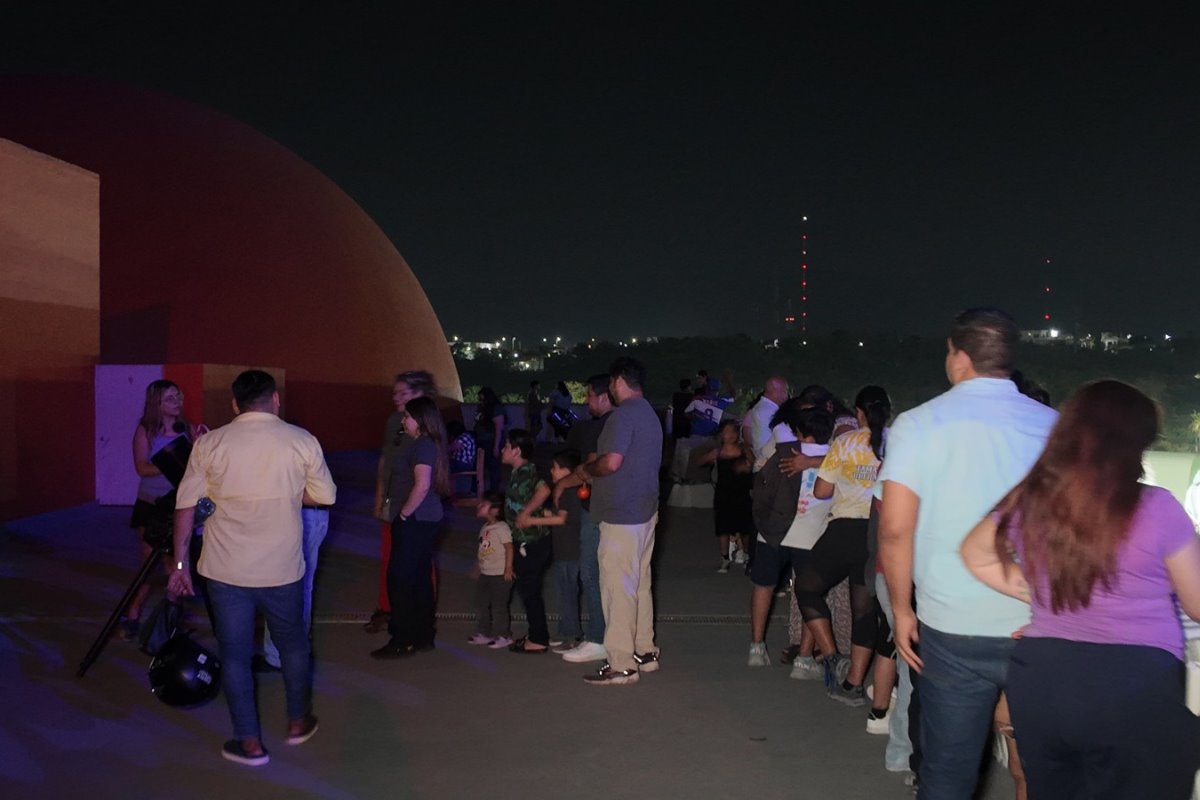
(421, 450)
(629, 496)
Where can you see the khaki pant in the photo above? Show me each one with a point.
(625, 553)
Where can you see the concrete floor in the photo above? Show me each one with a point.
(458, 722)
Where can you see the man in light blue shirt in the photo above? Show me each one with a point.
(949, 462)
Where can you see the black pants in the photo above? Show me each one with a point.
(840, 553)
(1102, 721)
(530, 570)
(410, 582)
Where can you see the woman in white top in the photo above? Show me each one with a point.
(161, 423)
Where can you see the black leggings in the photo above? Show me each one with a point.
(840, 553)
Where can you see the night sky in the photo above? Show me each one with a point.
(613, 171)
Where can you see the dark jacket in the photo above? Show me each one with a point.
(776, 495)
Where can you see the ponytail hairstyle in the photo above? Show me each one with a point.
(876, 406)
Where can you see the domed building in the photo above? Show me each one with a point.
(216, 246)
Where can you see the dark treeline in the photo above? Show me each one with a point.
(909, 367)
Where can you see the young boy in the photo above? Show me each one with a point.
(568, 513)
(493, 574)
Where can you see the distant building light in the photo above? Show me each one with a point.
(1166, 337)
(1054, 333)
(860, 344)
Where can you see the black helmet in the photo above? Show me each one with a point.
(184, 674)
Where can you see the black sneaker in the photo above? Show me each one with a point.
(647, 662)
(607, 676)
(233, 751)
(391, 650)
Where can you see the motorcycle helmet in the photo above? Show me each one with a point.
(184, 674)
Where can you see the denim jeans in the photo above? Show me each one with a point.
(899, 746)
(316, 526)
(959, 686)
(235, 608)
(589, 577)
(566, 584)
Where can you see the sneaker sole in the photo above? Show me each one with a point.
(301, 738)
(806, 676)
(622, 681)
(853, 702)
(248, 761)
(583, 659)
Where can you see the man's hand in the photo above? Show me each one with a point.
(523, 520)
(794, 465)
(179, 584)
(509, 575)
(907, 637)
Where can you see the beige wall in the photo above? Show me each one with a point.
(49, 329)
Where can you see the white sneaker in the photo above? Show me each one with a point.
(585, 652)
(479, 638)
(878, 725)
(741, 557)
(724, 568)
(758, 655)
(806, 668)
(501, 643)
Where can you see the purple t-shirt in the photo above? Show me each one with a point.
(1140, 607)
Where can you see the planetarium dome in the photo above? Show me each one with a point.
(220, 246)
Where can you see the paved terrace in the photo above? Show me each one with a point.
(461, 722)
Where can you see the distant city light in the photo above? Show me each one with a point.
(1054, 333)
(860, 344)
(1166, 337)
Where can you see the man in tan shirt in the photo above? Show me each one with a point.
(258, 470)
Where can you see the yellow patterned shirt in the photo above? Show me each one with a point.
(852, 468)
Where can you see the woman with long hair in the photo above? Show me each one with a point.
(162, 422)
(1095, 684)
(420, 480)
(407, 386)
(847, 475)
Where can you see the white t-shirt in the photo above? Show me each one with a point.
(812, 514)
(492, 538)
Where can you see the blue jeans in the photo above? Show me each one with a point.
(899, 747)
(566, 582)
(235, 608)
(589, 576)
(959, 686)
(316, 526)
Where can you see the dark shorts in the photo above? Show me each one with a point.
(772, 561)
(145, 513)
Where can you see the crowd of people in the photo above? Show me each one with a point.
(1007, 572)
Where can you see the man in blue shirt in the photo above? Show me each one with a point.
(949, 462)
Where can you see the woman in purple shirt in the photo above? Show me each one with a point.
(1096, 684)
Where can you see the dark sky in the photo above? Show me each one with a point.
(565, 168)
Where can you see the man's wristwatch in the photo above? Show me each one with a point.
(180, 565)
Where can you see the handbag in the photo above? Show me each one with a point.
(160, 626)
